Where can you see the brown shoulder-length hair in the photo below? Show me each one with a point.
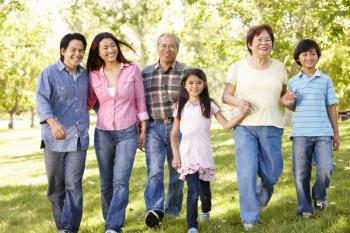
(255, 31)
(94, 61)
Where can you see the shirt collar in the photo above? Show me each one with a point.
(62, 66)
(188, 103)
(172, 66)
(316, 74)
(122, 65)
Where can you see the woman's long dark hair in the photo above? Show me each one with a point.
(94, 61)
(204, 98)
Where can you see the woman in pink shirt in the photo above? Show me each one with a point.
(117, 85)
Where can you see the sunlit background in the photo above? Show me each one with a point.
(212, 37)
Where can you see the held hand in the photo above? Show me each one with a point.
(176, 163)
(141, 140)
(245, 107)
(336, 142)
(245, 110)
(289, 99)
(58, 130)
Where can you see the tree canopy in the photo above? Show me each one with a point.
(212, 36)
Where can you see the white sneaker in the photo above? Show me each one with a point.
(205, 217)
(192, 230)
(248, 226)
(306, 214)
(111, 231)
(321, 205)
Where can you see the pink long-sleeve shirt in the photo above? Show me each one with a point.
(127, 105)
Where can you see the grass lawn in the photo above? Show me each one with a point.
(25, 208)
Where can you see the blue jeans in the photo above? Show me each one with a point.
(304, 150)
(115, 152)
(258, 153)
(157, 149)
(64, 172)
(201, 188)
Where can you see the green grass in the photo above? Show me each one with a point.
(25, 208)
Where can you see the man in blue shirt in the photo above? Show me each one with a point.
(62, 106)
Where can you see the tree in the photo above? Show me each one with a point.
(336, 62)
(22, 46)
(292, 20)
(131, 21)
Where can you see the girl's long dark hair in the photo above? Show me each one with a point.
(94, 61)
(204, 98)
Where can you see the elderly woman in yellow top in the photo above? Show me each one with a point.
(258, 82)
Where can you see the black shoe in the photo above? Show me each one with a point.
(153, 218)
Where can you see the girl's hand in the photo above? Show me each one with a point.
(245, 110)
(245, 106)
(176, 163)
(288, 99)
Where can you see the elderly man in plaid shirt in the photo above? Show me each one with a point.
(162, 82)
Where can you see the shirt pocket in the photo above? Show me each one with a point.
(64, 92)
(98, 88)
(126, 87)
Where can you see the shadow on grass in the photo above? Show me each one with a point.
(13, 159)
(25, 208)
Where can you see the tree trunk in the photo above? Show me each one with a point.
(32, 113)
(11, 120)
(143, 50)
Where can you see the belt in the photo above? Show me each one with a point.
(163, 121)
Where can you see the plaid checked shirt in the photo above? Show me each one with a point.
(162, 88)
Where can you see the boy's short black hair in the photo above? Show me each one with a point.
(304, 46)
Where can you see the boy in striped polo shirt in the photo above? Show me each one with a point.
(315, 128)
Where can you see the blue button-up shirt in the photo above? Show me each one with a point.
(314, 95)
(64, 97)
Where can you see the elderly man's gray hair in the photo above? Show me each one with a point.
(177, 40)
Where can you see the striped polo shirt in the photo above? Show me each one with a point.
(313, 96)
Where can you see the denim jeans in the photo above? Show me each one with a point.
(258, 153)
(115, 152)
(157, 149)
(201, 188)
(305, 149)
(64, 172)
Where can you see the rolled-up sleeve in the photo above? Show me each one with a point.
(140, 96)
(43, 94)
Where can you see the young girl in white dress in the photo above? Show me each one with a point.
(193, 157)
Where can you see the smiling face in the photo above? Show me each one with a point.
(261, 44)
(73, 54)
(308, 59)
(108, 50)
(167, 49)
(194, 87)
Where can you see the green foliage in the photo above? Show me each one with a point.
(122, 19)
(20, 43)
(25, 207)
(336, 62)
(6, 7)
(212, 36)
